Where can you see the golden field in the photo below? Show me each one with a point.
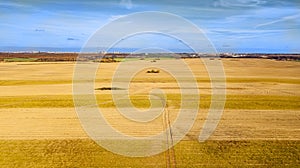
(260, 125)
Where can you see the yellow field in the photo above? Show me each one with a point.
(260, 125)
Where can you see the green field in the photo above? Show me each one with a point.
(20, 59)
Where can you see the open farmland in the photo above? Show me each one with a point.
(260, 125)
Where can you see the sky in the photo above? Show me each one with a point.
(269, 26)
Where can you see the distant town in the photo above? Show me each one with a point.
(68, 56)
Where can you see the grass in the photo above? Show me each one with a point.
(20, 59)
(253, 102)
(264, 80)
(228, 80)
(86, 153)
(157, 79)
(32, 82)
(266, 102)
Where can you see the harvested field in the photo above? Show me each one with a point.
(260, 125)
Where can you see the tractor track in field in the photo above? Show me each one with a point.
(170, 153)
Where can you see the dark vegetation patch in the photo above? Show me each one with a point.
(109, 88)
(153, 71)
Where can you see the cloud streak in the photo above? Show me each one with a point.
(283, 19)
(72, 39)
(239, 3)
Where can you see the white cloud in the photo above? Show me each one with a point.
(126, 3)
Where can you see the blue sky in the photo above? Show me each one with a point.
(231, 25)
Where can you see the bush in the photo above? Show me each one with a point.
(153, 71)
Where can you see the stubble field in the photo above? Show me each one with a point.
(260, 125)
